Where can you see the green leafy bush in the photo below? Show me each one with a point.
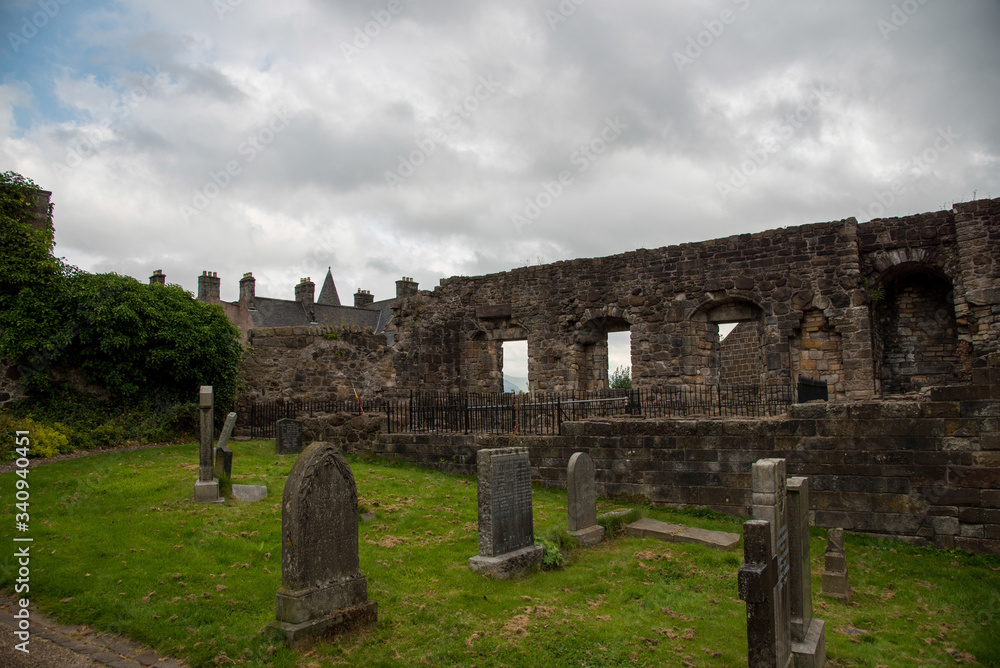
(552, 557)
(46, 441)
(621, 378)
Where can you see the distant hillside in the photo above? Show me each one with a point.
(515, 384)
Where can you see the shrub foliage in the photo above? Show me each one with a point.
(147, 345)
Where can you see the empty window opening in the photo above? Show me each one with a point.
(620, 359)
(514, 364)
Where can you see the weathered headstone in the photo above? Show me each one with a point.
(288, 436)
(223, 455)
(835, 582)
(582, 500)
(506, 528)
(206, 489)
(769, 504)
(808, 633)
(756, 585)
(322, 589)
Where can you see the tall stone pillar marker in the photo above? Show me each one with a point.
(769, 504)
(582, 500)
(206, 489)
(808, 633)
(323, 591)
(755, 583)
(223, 454)
(835, 582)
(506, 527)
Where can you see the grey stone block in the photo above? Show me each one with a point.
(249, 492)
(508, 565)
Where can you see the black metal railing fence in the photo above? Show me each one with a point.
(534, 413)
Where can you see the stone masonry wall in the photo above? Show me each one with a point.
(10, 388)
(927, 472)
(670, 298)
(317, 362)
(741, 362)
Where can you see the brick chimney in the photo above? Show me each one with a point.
(305, 292)
(363, 298)
(208, 287)
(406, 287)
(158, 277)
(248, 290)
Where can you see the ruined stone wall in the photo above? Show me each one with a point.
(816, 353)
(919, 334)
(10, 388)
(317, 362)
(740, 354)
(670, 299)
(926, 472)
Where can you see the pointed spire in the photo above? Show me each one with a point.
(328, 294)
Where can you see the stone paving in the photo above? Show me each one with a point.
(55, 644)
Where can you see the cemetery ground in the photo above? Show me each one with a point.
(120, 545)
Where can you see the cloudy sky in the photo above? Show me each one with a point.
(434, 138)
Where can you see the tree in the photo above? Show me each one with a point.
(621, 378)
(141, 342)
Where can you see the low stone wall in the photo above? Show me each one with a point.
(925, 472)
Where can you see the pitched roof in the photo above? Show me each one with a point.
(328, 293)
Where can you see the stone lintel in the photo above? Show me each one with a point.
(494, 311)
(302, 635)
(509, 565)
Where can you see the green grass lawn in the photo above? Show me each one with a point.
(121, 546)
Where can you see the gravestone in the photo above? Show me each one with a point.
(582, 501)
(506, 529)
(769, 504)
(835, 582)
(322, 589)
(808, 633)
(288, 436)
(206, 489)
(223, 455)
(756, 585)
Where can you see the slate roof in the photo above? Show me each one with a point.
(278, 313)
(328, 293)
(286, 313)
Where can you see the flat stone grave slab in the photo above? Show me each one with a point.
(678, 533)
(249, 492)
